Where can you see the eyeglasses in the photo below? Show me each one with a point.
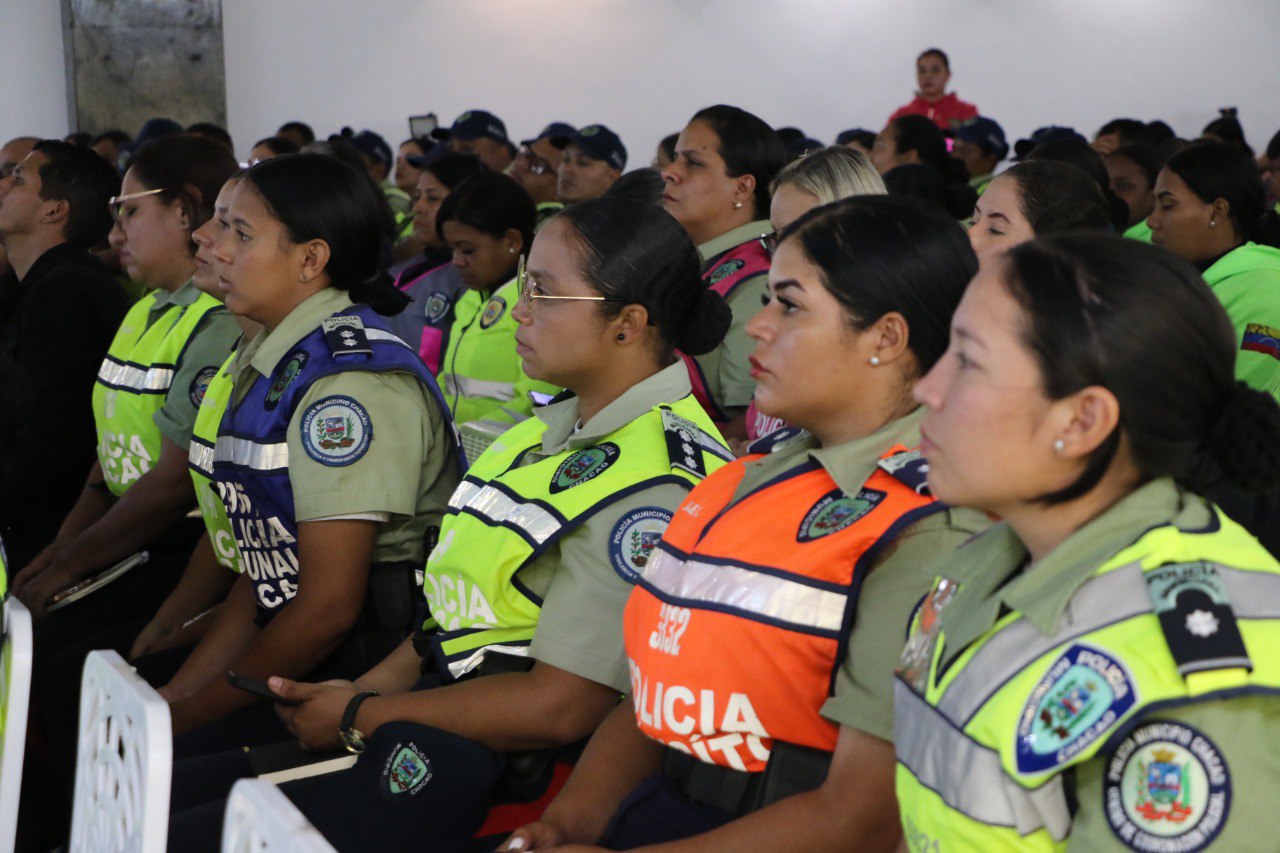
(535, 164)
(116, 202)
(526, 285)
(769, 242)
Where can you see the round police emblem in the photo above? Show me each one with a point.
(1167, 788)
(283, 378)
(493, 311)
(633, 540)
(726, 269)
(406, 771)
(200, 384)
(336, 431)
(584, 465)
(437, 307)
(835, 511)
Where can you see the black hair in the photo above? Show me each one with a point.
(923, 182)
(923, 136)
(1145, 157)
(339, 148)
(938, 52)
(452, 169)
(115, 137)
(1080, 154)
(1130, 130)
(1140, 322)
(278, 145)
(177, 164)
(879, 254)
(1059, 198)
(1160, 131)
(492, 204)
(86, 182)
(1227, 128)
(865, 138)
(315, 197)
(209, 130)
(636, 251)
(299, 127)
(1273, 147)
(748, 146)
(639, 184)
(668, 145)
(1215, 170)
(80, 139)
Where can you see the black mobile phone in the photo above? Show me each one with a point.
(257, 688)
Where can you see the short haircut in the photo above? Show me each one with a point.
(86, 182)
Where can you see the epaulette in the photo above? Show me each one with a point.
(686, 442)
(346, 335)
(1196, 617)
(909, 468)
(777, 440)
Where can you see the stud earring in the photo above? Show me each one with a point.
(510, 251)
(1212, 224)
(621, 337)
(1059, 446)
(737, 204)
(874, 360)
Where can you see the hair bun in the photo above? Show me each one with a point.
(380, 293)
(1244, 445)
(705, 326)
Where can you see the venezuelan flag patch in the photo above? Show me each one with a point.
(1263, 339)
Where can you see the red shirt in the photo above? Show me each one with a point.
(945, 112)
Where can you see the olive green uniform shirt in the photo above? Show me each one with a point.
(580, 627)
(992, 578)
(208, 347)
(726, 367)
(407, 472)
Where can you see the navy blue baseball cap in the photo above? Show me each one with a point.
(478, 124)
(1052, 133)
(600, 143)
(373, 146)
(985, 133)
(558, 133)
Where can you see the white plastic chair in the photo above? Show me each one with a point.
(261, 819)
(15, 693)
(124, 763)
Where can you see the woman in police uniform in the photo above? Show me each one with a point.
(335, 454)
(718, 189)
(1099, 670)
(543, 541)
(763, 632)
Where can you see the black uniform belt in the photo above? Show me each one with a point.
(731, 791)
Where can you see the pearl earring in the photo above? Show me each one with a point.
(510, 251)
(737, 204)
(1059, 445)
(875, 361)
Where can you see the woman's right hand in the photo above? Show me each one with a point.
(541, 835)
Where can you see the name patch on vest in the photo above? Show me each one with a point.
(336, 431)
(1082, 696)
(835, 511)
(633, 539)
(1167, 789)
(346, 336)
(284, 376)
(725, 270)
(584, 465)
(1196, 617)
(407, 771)
(437, 307)
(493, 311)
(200, 385)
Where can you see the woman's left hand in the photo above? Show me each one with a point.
(315, 722)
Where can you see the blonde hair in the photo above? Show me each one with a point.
(832, 174)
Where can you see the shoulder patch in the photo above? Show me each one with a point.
(777, 440)
(910, 469)
(1078, 700)
(336, 431)
(346, 336)
(725, 270)
(1196, 617)
(283, 378)
(1167, 789)
(584, 465)
(200, 384)
(437, 307)
(633, 539)
(835, 511)
(684, 443)
(1260, 338)
(493, 311)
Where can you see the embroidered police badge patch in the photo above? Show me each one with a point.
(1167, 789)
(725, 270)
(283, 378)
(634, 538)
(1084, 693)
(584, 465)
(437, 307)
(336, 431)
(200, 384)
(407, 770)
(836, 511)
(493, 311)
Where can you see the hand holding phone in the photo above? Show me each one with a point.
(258, 688)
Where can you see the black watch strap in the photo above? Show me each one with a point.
(346, 727)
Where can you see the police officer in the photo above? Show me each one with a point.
(1036, 199)
(536, 168)
(545, 537)
(763, 632)
(593, 159)
(718, 189)
(335, 454)
(1099, 670)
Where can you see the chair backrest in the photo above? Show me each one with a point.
(124, 761)
(15, 691)
(260, 819)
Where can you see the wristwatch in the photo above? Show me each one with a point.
(353, 738)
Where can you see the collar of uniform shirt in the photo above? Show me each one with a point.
(184, 295)
(265, 351)
(851, 464)
(736, 237)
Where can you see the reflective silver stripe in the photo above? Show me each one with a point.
(251, 454)
(1118, 595)
(201, 457)
(379, 335)
(134, 378)
(499, 508)
(461, 667)
(462, 494)
(969, 776)
(751, 593)
(465, 386)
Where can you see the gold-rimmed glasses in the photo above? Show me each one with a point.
(116, 202)
(527, 286)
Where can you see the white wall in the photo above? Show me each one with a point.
(643, 66)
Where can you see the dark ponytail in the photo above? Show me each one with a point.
(1078, 153)
(951, 187)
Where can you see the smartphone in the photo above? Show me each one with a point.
(257, 688)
